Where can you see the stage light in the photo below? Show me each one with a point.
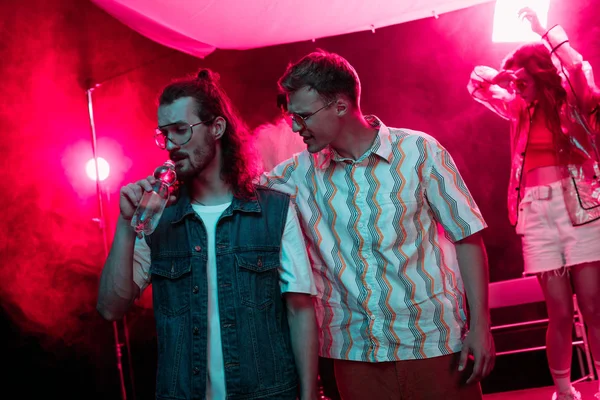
(103, 169)
(507, 25)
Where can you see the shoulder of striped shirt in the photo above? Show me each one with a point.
(402, 133)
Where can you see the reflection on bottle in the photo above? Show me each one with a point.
(153, 203)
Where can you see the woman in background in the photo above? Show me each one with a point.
(548, 94)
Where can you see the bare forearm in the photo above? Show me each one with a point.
(117, 290)
(473, 264)
(304, 338)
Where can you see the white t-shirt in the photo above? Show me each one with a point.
(295, 276)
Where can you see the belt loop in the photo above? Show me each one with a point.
(542, 192)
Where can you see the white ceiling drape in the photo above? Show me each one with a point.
(198, 27)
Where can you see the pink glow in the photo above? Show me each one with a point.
(103, 169)
(76, 157)
(507, 25)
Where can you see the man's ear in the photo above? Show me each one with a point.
(218, 127)
(342, 106)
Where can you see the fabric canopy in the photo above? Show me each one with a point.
(198, 27)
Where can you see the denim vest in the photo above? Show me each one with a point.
(257, 351)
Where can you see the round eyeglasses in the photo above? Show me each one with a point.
(300, 120)
(178, 133)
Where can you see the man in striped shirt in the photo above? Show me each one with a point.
(391, 301)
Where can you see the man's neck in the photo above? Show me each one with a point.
(208, 188)
(357, 137)
(209, 193)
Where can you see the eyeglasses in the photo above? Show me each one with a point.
(178, 133)
(301, 119)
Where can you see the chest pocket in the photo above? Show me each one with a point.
(258, 277)
(171, 285)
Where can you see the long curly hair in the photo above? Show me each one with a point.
(240, 163)
(535, 59)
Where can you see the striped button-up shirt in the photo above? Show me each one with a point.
(387, 278)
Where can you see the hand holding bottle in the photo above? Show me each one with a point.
(131, 195)
(143, 202)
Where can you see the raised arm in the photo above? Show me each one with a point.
(494, 90)
(577, 72)
(118, 288)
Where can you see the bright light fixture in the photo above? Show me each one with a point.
(507, 25)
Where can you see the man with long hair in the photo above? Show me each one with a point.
(231, 279)
(391, 302)
(548, 94)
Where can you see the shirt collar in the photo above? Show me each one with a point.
(183, 208)
(382, 147)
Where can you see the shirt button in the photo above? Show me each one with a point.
(196, 289)
(198, 248)
(196, 330)
(196, 370)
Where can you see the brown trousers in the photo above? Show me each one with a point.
(435, 378)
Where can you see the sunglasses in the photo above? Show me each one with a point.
(299, 119)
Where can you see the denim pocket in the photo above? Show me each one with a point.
(171, 285)
(258, 276)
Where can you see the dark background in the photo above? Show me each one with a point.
(51, 246)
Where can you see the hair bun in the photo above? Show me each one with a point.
(206, 74)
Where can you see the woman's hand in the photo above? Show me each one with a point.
(505, 79)
(531, 16)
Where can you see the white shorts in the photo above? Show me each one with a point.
(549, 240)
